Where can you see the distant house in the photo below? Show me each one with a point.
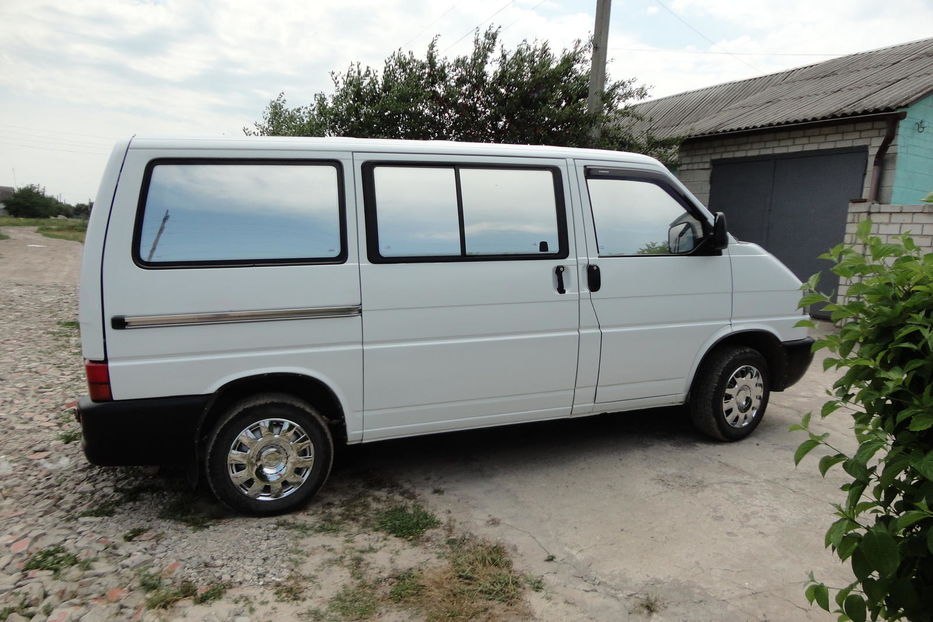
(5, 193)
(783, 154)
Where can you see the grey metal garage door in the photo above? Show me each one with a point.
(794, 205)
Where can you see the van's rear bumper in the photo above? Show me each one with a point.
(798, 355)
(140, 432)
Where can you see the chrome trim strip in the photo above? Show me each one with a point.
(235, 317)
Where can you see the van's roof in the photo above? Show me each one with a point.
(440, 147)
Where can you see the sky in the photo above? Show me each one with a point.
(75, 76)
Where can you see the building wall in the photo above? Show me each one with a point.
(696, 155)
(913, 176)
(890, 221)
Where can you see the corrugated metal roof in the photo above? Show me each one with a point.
(865, 83)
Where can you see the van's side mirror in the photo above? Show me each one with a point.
(681, 238)
(720, 235)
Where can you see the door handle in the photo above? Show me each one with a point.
(593, 278)
(559, 270)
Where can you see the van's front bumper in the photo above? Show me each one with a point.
(798, 355)
(140, 432)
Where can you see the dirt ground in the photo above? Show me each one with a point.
(625, 517)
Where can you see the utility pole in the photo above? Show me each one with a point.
(598, 69)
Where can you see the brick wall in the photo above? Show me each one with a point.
(696, 156)
(889, 221)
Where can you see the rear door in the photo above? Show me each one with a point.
(219, 266)
(469, 292)
(660, 301)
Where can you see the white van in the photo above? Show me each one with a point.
(246, 303)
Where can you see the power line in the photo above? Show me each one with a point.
(33, 129)
(523, 17)
(690, 26)
(655, 50)
(425, 29)
(3, 142)
(474, 28)
(55, 140)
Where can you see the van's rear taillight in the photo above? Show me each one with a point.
(98, 380)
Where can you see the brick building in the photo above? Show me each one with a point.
(783, 154)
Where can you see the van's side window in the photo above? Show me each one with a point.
(199, 212)
(640, 217)
(460, 212)
(417, 211)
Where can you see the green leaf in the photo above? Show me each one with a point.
(907, 519)
(821, 596)
(804, 448)
(920, 422)
(847, 545)
(812, 298)
(830, 407)
(864, 228)
(810, 592)
(924, 465)
(854, 607)
(881, 553)
(856, 469)
(827, 462)
(837, 530)
(874, 590)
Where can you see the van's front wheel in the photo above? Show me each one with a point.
(730, 393)
(269, 454)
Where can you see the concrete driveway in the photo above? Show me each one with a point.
(635, 515)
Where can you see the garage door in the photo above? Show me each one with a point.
(794, 205)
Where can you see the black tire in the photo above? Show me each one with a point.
(724, 370)
(294, 452)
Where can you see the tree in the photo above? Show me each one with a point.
(32, 202)
(884, 347)
(527, 95)
(83, 210)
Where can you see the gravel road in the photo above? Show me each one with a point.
(631, 517)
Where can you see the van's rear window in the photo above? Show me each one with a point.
(235, 212)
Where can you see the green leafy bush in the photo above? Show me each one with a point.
(885, 348)
(32, 202)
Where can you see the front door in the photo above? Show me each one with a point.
(660, 299)
(470, 301)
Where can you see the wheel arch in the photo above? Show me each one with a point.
(766, 343)
(307, 388)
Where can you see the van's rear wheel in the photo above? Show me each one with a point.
(730, 393)
(269, 454)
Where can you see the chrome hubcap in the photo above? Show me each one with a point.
(270, 459)
(741, 400)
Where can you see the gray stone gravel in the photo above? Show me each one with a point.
(51, 497)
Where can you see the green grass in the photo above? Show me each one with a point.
(292, 588)
(354, 603)
(69, 436)
(406, 522)
(63, 229)
(4, 237)
(165, 597)
(149, 581)
(132, 534)
(55, 558)
(214, 592)
(406, 587)
(107, 508)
